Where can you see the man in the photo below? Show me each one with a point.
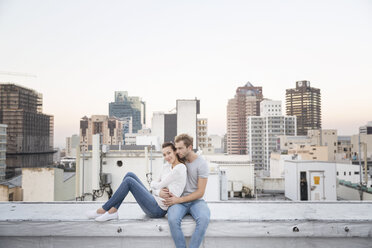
(191, 201)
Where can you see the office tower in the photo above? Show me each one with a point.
(126, 107)
(168, 125)
(110, 128)
(245, 103)
(263, 131)
(2, 151)
(304, 102)
(202, 133)
(29, 132)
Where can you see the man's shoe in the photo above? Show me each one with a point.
(107, 216)
(92, 214)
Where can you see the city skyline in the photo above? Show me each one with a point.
(164, 51)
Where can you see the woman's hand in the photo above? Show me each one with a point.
(171, 200)
(164, 193)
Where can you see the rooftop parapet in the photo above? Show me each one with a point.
(233, 224)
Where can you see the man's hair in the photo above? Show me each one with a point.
(187, 139)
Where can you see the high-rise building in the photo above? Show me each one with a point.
(305, 103)
(2, 151)
(245, 103)
(187, 111)
(168, 125)
(29, 132)
(129, 107)
(110, 128)
(263, 131)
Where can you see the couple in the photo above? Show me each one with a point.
(179, 191)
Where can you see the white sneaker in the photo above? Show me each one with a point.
(107, 216)
(92, 214)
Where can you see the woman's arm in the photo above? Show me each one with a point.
(174, 175)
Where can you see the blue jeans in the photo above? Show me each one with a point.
(199, 211)
(143, 197)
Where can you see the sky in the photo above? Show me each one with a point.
(81, 52)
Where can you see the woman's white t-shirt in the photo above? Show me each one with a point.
(172, 178)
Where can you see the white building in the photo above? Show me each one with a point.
(216, 142)
(72, 144)
(2, 151)
(157, 125)
(239, 169)
(148, 140)
(262, 133)
(168, 125)
(348, 172)
(130, 139)
(310, 180)
(47, 184)
(187, 111)
(270, 108)
(277, 163)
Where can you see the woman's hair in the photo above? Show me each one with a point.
(171, 145)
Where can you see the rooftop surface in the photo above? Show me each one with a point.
(233, 224)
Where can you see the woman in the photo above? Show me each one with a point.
(173, 177)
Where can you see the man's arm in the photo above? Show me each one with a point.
(197, 194)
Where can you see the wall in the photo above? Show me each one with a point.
(133, 161)
(351, 194)
(38, 184)
(349, 170)
(4, 193)
(292, 177)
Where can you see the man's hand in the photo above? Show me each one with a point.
(164, 193)
(171, 200)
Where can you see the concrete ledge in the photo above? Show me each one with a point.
(241, 222)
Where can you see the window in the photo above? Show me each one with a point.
(344, 173)
(356, 172)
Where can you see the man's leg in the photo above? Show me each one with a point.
(175, 214)
(201, 213)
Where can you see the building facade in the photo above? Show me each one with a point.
(304, 102)
(29, 132)
(72, 143)
(217, 142)
(202, 133)
(187, 112)
(110, 128)
(263, 132)
(245, 103)
(128, 107)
